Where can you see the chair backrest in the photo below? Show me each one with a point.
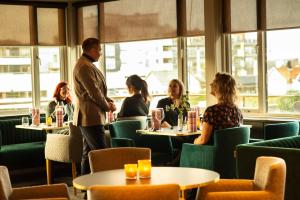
(135, 192)
(225, 141)
(115, 158)
(142, 119)
(75, 142)
(5, 184)
(127, 129)
(270, 174)
(279, 130)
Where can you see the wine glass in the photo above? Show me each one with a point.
(160, 115)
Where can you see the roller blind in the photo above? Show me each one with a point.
(87, 18)
(15, 25)
(51, 26)
(282, 14)
(194, 17)
(130, 20)
(240, 15)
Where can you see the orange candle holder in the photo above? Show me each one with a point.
(144, 167)
(130, 171)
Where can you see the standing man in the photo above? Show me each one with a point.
(92, 101)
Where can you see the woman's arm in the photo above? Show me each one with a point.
(206, 132)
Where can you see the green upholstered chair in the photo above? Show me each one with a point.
(122, 142)
(279, 130)
(218, 157)
(126, 129)
(123, 133)
(162, 151)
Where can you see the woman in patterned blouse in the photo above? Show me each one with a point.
(224, 114)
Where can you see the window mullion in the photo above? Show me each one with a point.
(35, 76)
(182, 61)
(262, 81)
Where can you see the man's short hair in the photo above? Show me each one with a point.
(90, 43)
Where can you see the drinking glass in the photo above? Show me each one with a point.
(160, 115)
(25, 121)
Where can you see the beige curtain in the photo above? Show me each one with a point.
(87, 21)
(15, 25)
(130, 20)
(240, 16)
(281, 14)
(50, 26)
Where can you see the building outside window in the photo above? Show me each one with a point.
(15, 75)
(244, 67)
(155, 61)
(283, 71)
(196, 71)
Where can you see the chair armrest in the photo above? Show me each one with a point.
(42, 191)
(122, 142)
(57, 147)
(228, 185)
(251, 140)
(238, 195)
(199, 156)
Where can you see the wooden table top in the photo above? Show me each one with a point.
(168, 132)
(186, 178)
(44, 127)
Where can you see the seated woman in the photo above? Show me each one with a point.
(224, 114)
(138, 104)
(61, 97)
(175, 94)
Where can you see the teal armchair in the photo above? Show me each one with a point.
(280, 130)
(123, 134)
(218, 157)
(126, 129)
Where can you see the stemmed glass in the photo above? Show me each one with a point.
(160, 115)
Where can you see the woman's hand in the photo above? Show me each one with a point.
(205, 134)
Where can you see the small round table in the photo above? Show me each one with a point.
(186, 178)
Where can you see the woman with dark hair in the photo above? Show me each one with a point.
(138, 104)
(61, 97)
(224, 114)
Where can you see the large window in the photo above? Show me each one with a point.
(49, 69)
(15, 76)
(283, 71)
(244, 65)
(196, 71)
(155, 61)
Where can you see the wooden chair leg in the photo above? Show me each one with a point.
(74, 175)
(49, 171)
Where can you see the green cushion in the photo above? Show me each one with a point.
(16, 156)
(280, 130)
(122, 142)
(12, 135)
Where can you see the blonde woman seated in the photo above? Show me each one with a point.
(224, 114)
(138, 104)
(175, 93)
